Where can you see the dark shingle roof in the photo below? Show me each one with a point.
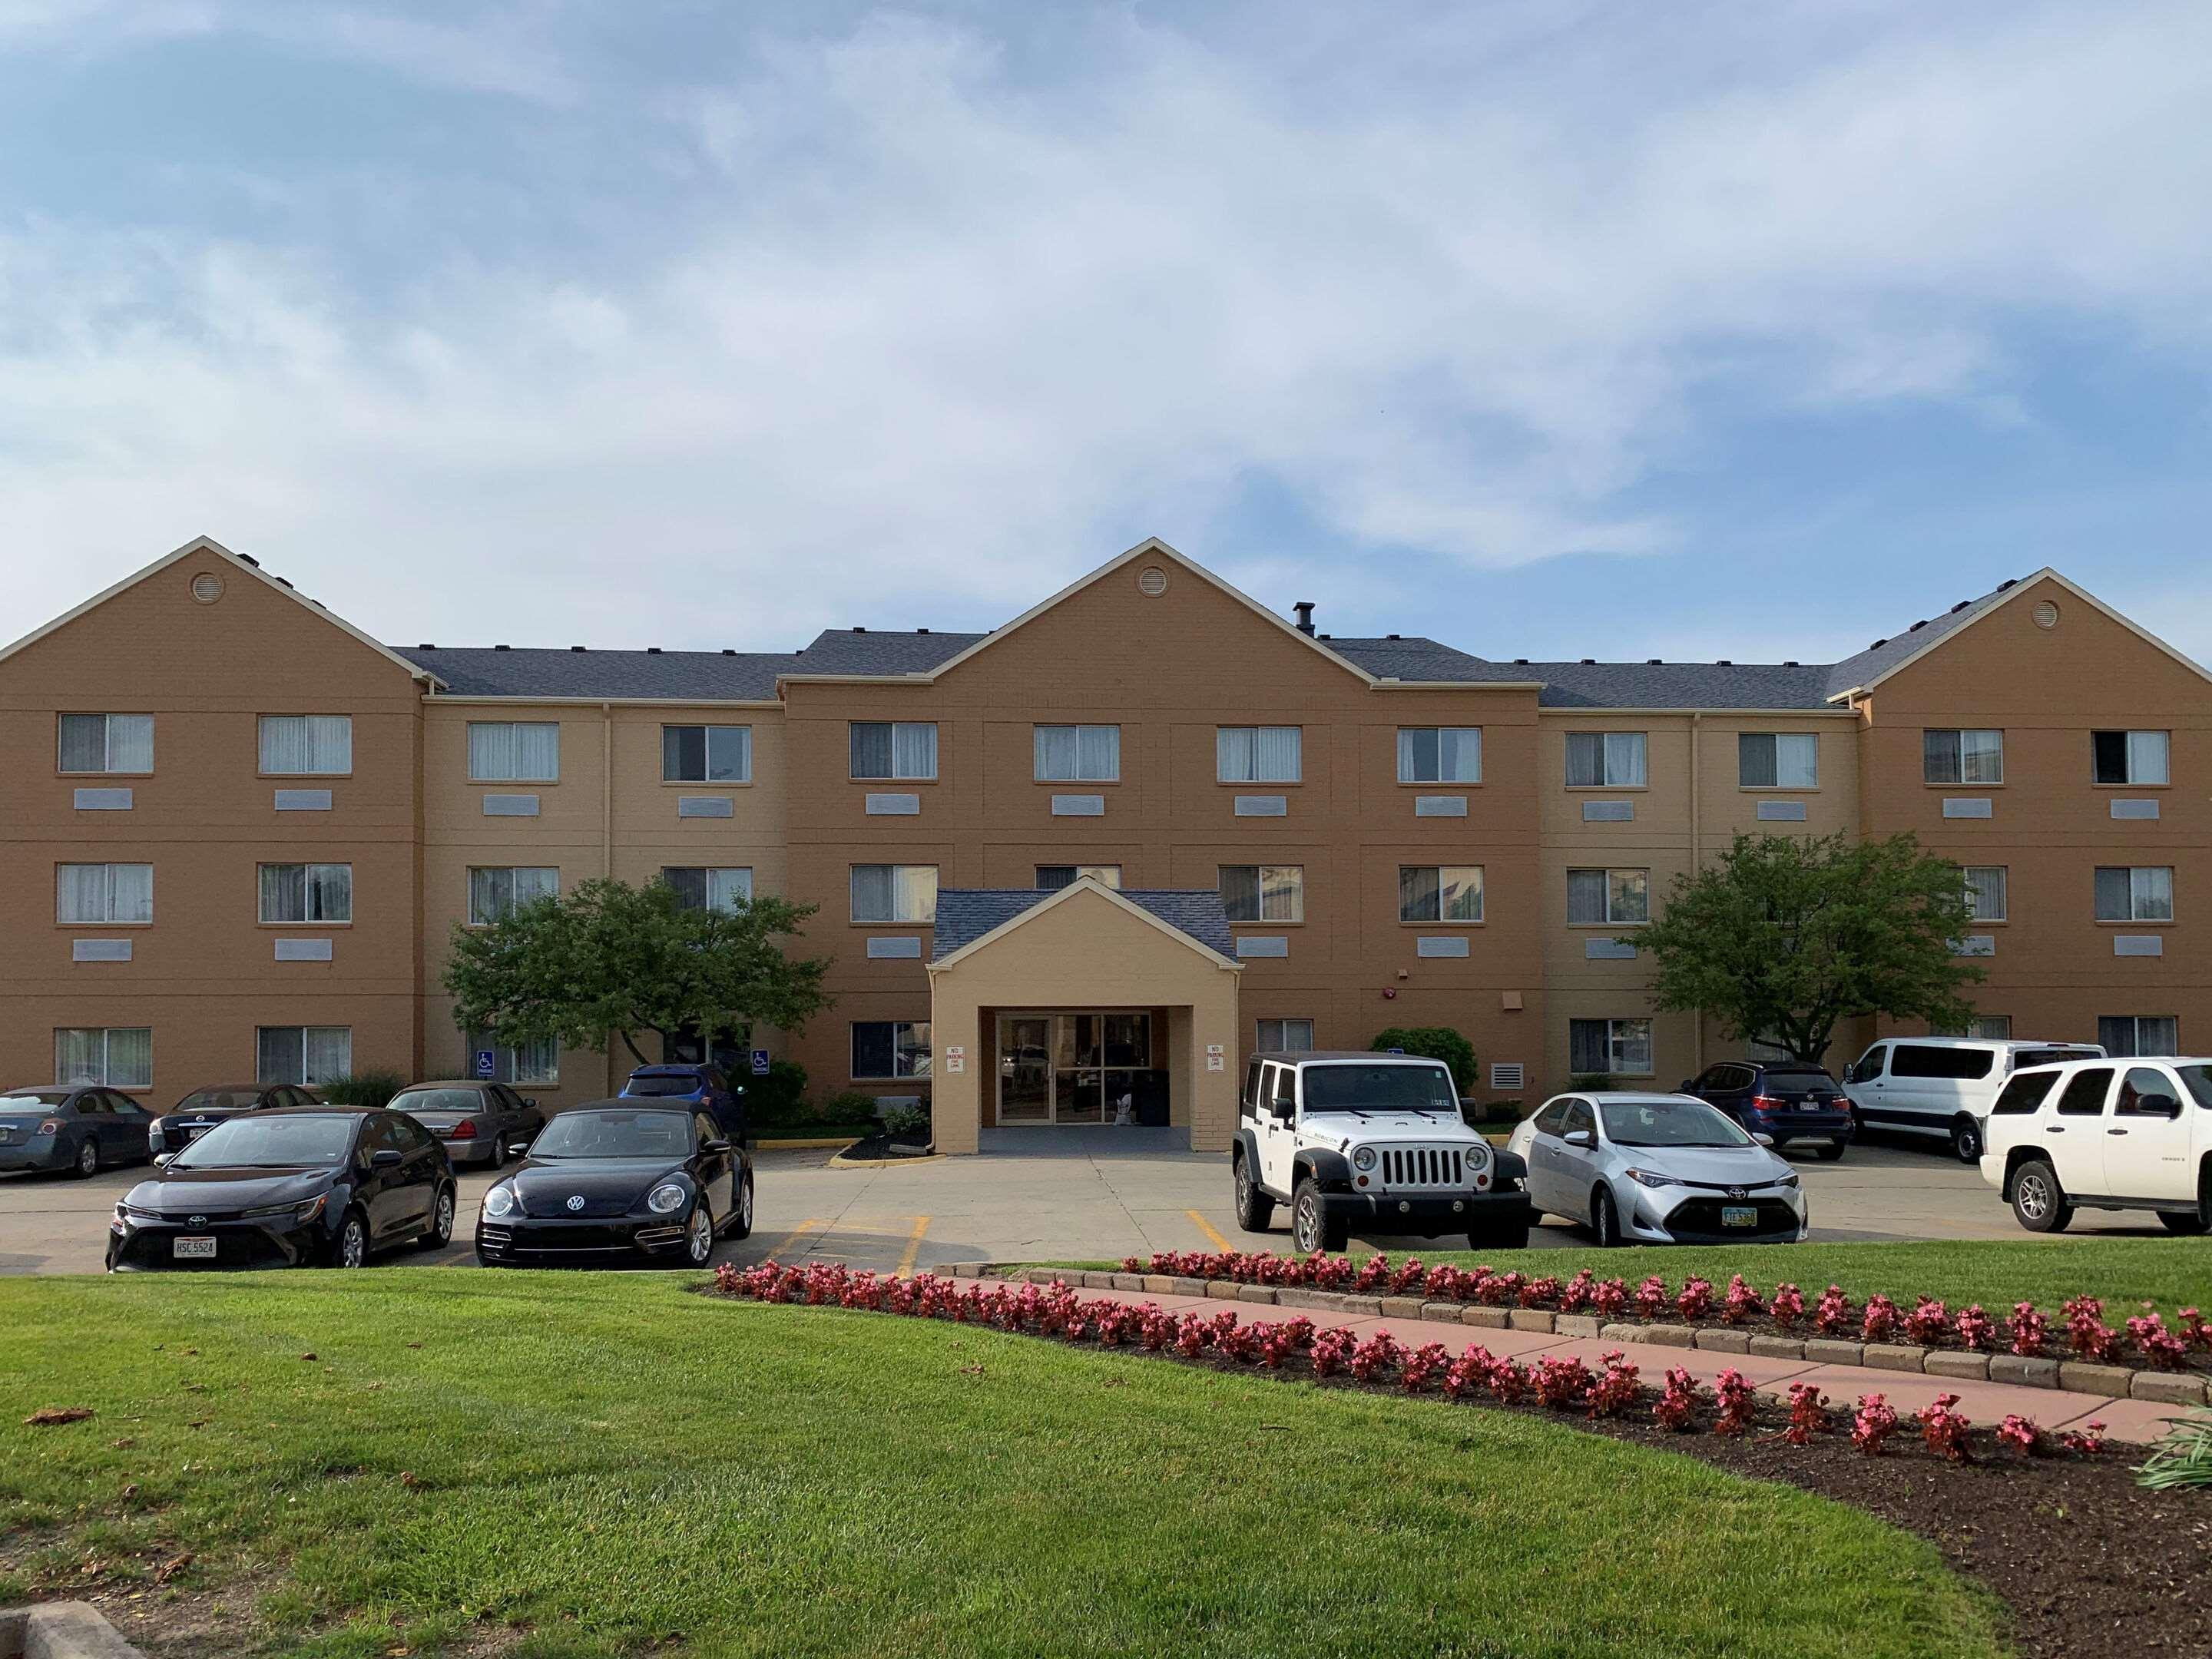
(701, 676)
(1878, 660)
(964, 914)
(1679, 685)
(855, 651)
(1417, 659)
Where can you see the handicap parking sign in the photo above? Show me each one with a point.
(760, 1063)
(484, 1066)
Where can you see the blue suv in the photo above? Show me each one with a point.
(701, 1086)
(1782, 1100)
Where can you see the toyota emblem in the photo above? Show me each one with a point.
(1733, 1192)
(576, 1201)
(195, 1221)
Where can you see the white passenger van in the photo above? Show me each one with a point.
(1944, 1086)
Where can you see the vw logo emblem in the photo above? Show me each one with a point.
(195, 1221)
(576, 1202)
(1733, 1192)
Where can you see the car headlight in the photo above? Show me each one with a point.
(1785, 1180)
(1651, 1178)
(305, 1210)
(1363, 1158)
(666, 1199)
(499, 1200)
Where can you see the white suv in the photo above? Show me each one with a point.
(1943, 1086)
(2104, 1134)
(1378, 1139)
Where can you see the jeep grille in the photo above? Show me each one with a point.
(1421, 1166)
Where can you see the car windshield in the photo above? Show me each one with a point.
(270, 1143)
(29, 1100)
(1819, 1080)
(614, 1135)
(2198, 1079)
(649, 1088)
(1668, 1123)
(218, 1100)
(437, 1100)
(1356, 1088)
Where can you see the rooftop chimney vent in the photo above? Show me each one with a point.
(1305, 609)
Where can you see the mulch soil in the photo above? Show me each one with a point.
(911, 1142)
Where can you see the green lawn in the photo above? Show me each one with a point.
(612, 1459)
(2171, 1272)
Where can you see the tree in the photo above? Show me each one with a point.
(609, 958)
(1786, 936)
(1433, 1043)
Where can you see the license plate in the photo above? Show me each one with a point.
(193, 1131)
(194, 1249)
(1732, 1215)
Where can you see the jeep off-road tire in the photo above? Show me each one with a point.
(1312, 1228)
(1255, 1209)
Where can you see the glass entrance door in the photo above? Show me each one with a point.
(1025, 1068)
(1076, 1067)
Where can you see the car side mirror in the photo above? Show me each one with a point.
(1582, 1138)
(2158, 1106)
(516, 1149)
(532, 1102)
(1285, 1110)
(1763, 1141)
(384, 1158)
(161, 1159)
(1686, 1085)
(715, 1146)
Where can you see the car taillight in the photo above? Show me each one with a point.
(466, 1129)
(52, 1126)
(1764, 1103)
(1841, 1102)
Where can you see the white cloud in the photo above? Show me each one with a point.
(923, 332)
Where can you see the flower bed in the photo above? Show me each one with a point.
(1299, 1347)
(1886, 1330)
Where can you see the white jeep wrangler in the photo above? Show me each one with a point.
(1372, 1139)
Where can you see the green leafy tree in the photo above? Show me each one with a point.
(1433, 1043)
(611, 959)
(1786, 936)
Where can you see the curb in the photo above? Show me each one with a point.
(61, 1630)
(840, 1162)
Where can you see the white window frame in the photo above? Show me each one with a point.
(312, 886)
(513, 872)
(106, 1035)
(2137, 777)
(716, 877)
(898, 771)
(316, 733)
(107, 768)
(1967, 872)
(1619, 1034)
(1960, 756)
(1774, 742)
(484, 769)
(1277, 1030)
(108, 918)
(1467, 743)
(307, 1035)
(742, 736)
(1463, 872)
(1231, 766)
(2143, 892)
(1614, 747)
(904, 1051)
(2135, 1024)
(1090, 739)
(508, 1060)
(903, 893)
(1271, 884)
(1610, 919)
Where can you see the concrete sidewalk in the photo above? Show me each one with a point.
(1986, 1404)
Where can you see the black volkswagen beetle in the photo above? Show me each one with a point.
(617, 1182)
(303, 1187)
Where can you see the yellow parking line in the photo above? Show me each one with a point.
(913, 1246)
(1206, 1227)
(782, 1247)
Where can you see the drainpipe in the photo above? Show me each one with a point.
(1696, 863)
(607, 832)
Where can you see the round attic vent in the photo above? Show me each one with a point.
(2045, 614)
(1152, 581)
(207, 587)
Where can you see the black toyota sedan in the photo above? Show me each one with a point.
(218, 1103)
(303, 1187)
(619, 1183)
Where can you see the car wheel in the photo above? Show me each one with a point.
(2188, 1223)
(1967, 1140)
(1605, 1218)
(1311, 1226)
(699, 1235)
(1255, 1209)
(350, 1248)
(742, 1227)
(88, 1159)
(441, 1222)
(1829, 1151)
(2037, 1200)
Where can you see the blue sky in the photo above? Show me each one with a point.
(1550, 329)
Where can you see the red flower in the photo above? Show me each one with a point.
(1875, 1422)
(1944, 1430)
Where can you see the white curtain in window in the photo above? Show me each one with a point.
(1459, 754)
(81, 892)
(536, 1061)
(538, 752)
(2147, 758)
(130, 743)
(491, 750)
(329, 1052)
(1100, 757)
(1586, 891)
(535, 882)
(515, 752)
(1632, 1047)
(1797, 760)
(1275, 753)
(130, 1058)
(284, 743)
(916, 892)
(283, 892)
(1981, 756)
(1232, 753)
(491, 895)
(1985, 892)
(306, 743)
(1056, 753)
(131, 892)
(871, 892)
(1623, 759)
(1282, 893)
(330, 892)
(728, 889)
(77, 1056)
(2150, 893)
(914, 750)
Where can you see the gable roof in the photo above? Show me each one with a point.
(588, 675)
(968, 917)
(1680, 685)
(244, 566)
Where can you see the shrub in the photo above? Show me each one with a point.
(779, 1099)
(1788, 1306)
(2030, 1330)
(2022, 1434)
(1739, 1302)
(371, 1088)
(847, 1106)
(1977, 1330)
(2087, 1334)
(1880, 1321)
(1830, 1312)
(2182, 1457)
(1808, 1414)
(1676, 1408)
(1696, 1300)
(1737, 1397)
(2087, 1441)
(1434, 1043)
(906, 1120)
(2160, 1347)
(1875, 1422)
(1615, 1390)
(1559, 1381)
(1651, 1296)
(1929, 1322)
(1944, 1431)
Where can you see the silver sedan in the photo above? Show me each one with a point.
(1658, 1169)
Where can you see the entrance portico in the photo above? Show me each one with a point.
(1084, 1007)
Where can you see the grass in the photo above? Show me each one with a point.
(1995, 1272)
(610, 1461)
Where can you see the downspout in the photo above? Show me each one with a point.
(1696, 863)
(607, 832)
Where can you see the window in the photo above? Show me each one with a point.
(891, 1048)
(107, 742)
(1257, 754)
(711, 890)
(1777, 760)
(2084, 1095)
(515, 752)
(1450, 892)
(894, 892)
(103, 894)
(1990, 1028)
(1962, 757)
(307, 892)
(306, 745)
(1605, 760)
(119, 1056)
(707, 754)
(1079, 754)
(537, 1061)
(2129, 756)
(496, 891)
(1264, 892)
(1284, 1036)
(2124, 1036)
(1619, 898)
(2021, 1097)
(1931, 1060)
(1609, 1047)
(2140, 893)
(1440, 754)
(1985, 890)
(304, 1054)
(2135, 1084)
(1051, 878)
(902, 750)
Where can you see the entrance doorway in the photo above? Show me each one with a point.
(1094, 1067)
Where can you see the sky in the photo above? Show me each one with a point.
(1549, 330)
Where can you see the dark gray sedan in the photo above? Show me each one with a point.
(475, 1122)
(78, 1128)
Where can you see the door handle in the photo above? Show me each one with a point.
(2054, 1128)
(2116, 1132)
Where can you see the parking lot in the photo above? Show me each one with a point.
(1075, 1195)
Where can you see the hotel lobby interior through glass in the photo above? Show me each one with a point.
(1079, 1067)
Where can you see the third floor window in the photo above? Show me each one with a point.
(104, 893)
(1264, 892)
(1257, 754)
(1440, 754)
(1962, 757)
(1450, 892)
(307, 892)
(515, 752)
(2129, 756)
(894, 750)
(306, 745)
(1777, 760)
(1079, 754)
(2137, 893)
(1606, 760)
(107, 742)
(707, 754)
